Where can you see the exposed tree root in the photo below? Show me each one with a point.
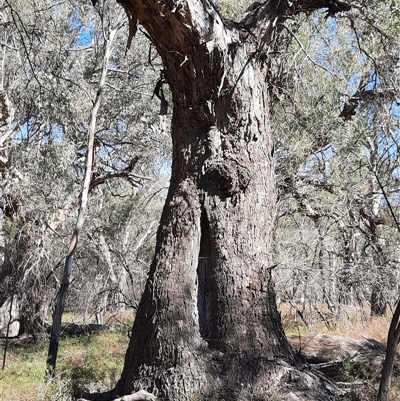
(278, 381)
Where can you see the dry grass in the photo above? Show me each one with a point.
(348, 322)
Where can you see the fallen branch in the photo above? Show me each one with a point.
(141, 395)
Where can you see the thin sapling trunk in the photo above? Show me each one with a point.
(57, 317)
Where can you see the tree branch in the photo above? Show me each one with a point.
(277, 11)
(307, 6)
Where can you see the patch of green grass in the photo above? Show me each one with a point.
(24, 372)
(87, 363)
(93, 362)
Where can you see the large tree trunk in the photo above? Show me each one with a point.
(209, 309)
(207, 324)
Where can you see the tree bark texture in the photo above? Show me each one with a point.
(207, 323)
(391, 349)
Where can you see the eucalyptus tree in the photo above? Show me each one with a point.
(336, 123)
(110, 30)
(376, 104)
(207, 322)
(6, 131)
(58, 47)
(312, 74)
(12, 82)
(117, 247)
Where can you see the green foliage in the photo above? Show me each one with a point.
(60, 48)
(328, 159)
(233, 10)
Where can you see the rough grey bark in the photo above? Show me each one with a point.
(207, 323)
(392, 343)
(393, 338)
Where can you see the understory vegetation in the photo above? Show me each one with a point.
(93, 362)
(90, 362)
